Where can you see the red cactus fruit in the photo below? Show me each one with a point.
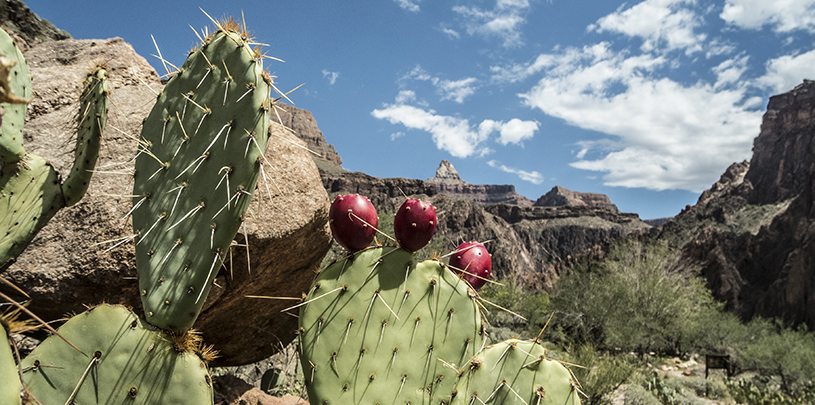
(353, 221)
(473, 263)
(415, 224)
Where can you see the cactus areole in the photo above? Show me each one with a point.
(353, 221)
(415, 224)
(473, 263)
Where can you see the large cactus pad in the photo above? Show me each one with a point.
(515, 372)
(380, 328)
(201, 150)
(124, 363)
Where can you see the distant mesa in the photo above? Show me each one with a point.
(446, 174)
(448, 182)
(561, 197)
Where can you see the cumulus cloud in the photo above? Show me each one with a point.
(532, 177)
(451, 134)
(668, 135)
(785, 72)
(730, 71)
(332, 76)
(503, 21)
(661, 24)
(783, 15)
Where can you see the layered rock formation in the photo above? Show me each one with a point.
(447, 181)
(753, 233)
(561, 197)
(303, 124)
(67, 265)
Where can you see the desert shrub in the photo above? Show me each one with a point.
(760, 391)
(533, 306)
(598, 374)
(636, 394)
(634, 300)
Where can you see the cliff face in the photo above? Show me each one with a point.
(561, 197)
(302, 123)
(753, 233)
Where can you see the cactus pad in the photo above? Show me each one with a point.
(377, 327)
(515, 372)
(30, 195)
(9, 375)
(125, 362)
(15, 81)
(90, 123)
(201, 151)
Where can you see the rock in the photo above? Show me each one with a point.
(561, 197)
(446, 173)
(304, 126)
(66, 266)
(752, 233)
(231, 390)
(21, 22)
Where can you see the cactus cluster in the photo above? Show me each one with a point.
(31, 190)
(199, 158)
(379, 328)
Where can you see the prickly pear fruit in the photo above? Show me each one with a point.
(379, 327)
(125, 361)
(353, 221)
(515, 371)
(415, 224)
(10, 384)
(473, 263)
(201, 151)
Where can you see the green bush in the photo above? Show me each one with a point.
(531, 305)
(599, 375)
(635, 300)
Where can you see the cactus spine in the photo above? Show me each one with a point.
(200, 154)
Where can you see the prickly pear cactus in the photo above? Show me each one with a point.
(15, 90)
(515, 372)
(125, 361)
(93, 106)
(201, 151)
(30, 189)
(9, 375)
(378, 327)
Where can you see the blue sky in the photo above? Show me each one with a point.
(645, 101)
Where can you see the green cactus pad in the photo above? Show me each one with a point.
(18, 79)
(200, 155)
(384, 329)
(90, 124)
(125, 363)
(9, 373)
(30, 195)
(515, 372)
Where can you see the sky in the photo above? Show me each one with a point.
(647, 102)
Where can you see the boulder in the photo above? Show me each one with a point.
(68, 264)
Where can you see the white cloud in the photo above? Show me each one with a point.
(397, 135)
(782, 15)
(516, 131)
(788, 71)
(661, 24)
(504, 21)
(532, 177)
(452, 134)
(409, 5)
(332, 76)
(730, 71)
(670, 135)
(456, 90)
(453, 34)
(405, 96)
